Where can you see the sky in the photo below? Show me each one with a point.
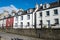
(24, 4)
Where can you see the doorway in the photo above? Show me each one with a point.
(48, 21)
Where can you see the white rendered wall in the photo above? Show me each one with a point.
(3, 23)
(51, 17)
(38, 18)
(25, 20)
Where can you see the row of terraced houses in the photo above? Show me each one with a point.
(42, 16)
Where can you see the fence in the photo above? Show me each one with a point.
(49, 33)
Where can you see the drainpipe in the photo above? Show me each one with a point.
(35, 20)
(41, 22)
(32, 19)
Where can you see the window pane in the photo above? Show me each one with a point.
(16, 18)
(21, 17)
(16, 25)
(55, 11)
(28, 17)
(41, 14)
(21, 24)
(28, 24)
(56, 21)
(40, 22)
(47, 13)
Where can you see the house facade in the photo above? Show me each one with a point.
(49, 17)
(9, 22)
(24, 19)
(42, 16)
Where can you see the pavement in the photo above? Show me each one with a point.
(8, 36)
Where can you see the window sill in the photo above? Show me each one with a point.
(55, 15)
(39, 17)
(28, 19)
(46, 16)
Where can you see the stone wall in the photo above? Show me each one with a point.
(40, 33)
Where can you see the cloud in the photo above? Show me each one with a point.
(8, 8)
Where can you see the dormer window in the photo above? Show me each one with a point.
(44, 6)
(47, 5)
(13, 14)
(28, 11)
(19, 13)
(41, 6)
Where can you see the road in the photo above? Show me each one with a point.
(8, 36)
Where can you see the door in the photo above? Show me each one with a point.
(48, 23)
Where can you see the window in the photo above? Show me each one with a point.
(41, 14)
(28, 17)
(56, 21)
(45, 6)
(19, 13)
(4, 17)
(21, 24)
(16, 14)
(28, 24)
(16, 24)
(40, 22)
(16, 18)
(47, 12)
(21, 17)
(48, 21)
(56, 11)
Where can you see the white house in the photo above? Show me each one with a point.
(49, 17)
(3, 23)
(5, 12)
(24, 19)
(43, 15)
